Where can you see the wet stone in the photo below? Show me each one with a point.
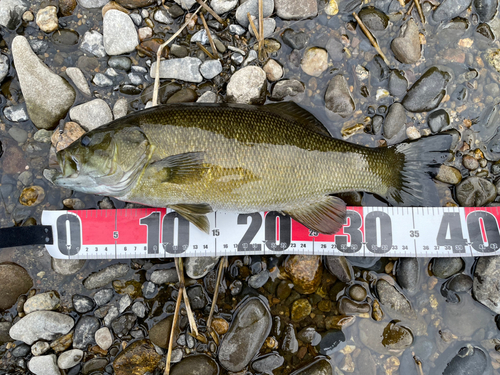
(69, 359)
(16, 113)
(460, 283)
(449, 9)
(103, 296)
(46, 19)
(198, 267)
(335, 49)
(268, 363)
(406, 47)
(196, 364)
(475, 192)
(290, 343)
(486, 281)
(92, 114)
(315, 61)
(92, 43)
(348, 307)
(15, 281)
(438, 120)
(470, 360)
(252, 7)
(338, 98)
(296, 9)
(319, 367)
(309, 336)
(247, 86)
(210, 69)
(11, 12)
(339, 267)
(485, 9)
(428, 91)
(168, 276)
(332, 341)
(393, 301)
(157, 332)
(408, 275)
(4, 332)
(449, 175)
(357, 293)
(42, 301)
(373, 18)
(246, 335)
(149, 290)
(103, 338)
(197, 297)
(223, 6)
(21, 350)
(85, 331)
(305, 272)
(384, 338)
(122, 325)
(301, 308)
(294, 39)
(398, 84)
(44, 365)
(119, 33)
(137, 358)
(287, 87)
(46, 325)
(470, 162)
(185, 69)
(395, 121)
(105, 276)
(40, 347)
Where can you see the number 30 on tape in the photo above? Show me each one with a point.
(367, 231)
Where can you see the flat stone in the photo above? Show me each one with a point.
(42, 301)
(487, 281)
(45, 325)
(269, 26)
(85, 332)
(133, 4)
(406, 47)
(338, 98)
(14, 281)
(92, 114)
(208, 97)
(44, 365)
(383, 338)
(47, 95)
(186, 4)
(394, 302)
(470, 360)
(198, 267)
(82, 304)
(157, 332)
(78, 79)
(120, 108)
(67, 266)
(296, 9)
(444, 268)
(104, 338)
(247, 85)
(69, 359)
(119, 33)
(475, 192)
(123, 324)
(138, 358)
(408, 274)
(4, 67)
(287, 87)
(268, 363)
(210, 68)
(193, 364)
(168, 276)
(105, 276)
(103, 296)
(449, 9)
(92, 43)
(318, 367)
(184, 69)
(339, 266)
(395, 121)
(252, 7)
(428, 91)
(305, 271)
(40, 347)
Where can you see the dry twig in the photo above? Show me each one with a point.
(419, 9)
(222, 264)
(180, 274)
(172, 331)
(402, 3)
(418, 362)
(211, 11)
(207, 52)
(261, 28)
(160, 51)
(209, 35)
(252, 25)
(409, 10)
(370, 37)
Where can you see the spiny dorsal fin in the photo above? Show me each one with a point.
(325, 216)
(181, 168)
(296, 113)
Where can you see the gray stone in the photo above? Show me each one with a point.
(4, 67)
(40, 347)
(102, 80)
(92, 43)
(26, 178)
(44, 365)
(120, 63)
(78, 79)
(137, 18)
(11, 12)
(287, 87)
(120, 108)
(135, 78)
(269, 26)
(208, 97)
(92, 114)
(395, 120)
(124, 303)
(428, 91)
(266, 364)
(485, 9)
(47, 95)
(42, 301)
(165, 276)
(43, 136)
(449, 9)
(69, 359)
(196, 364)
(252, 7)
(335, 49)
(16, 113)
(338, 98)
(223, 6)
(103, 296)
(470, 360)
(296, 9)
(258, 280)
(383, 338)
(186, 4)
(339, 266)
(406, 47)
(318, 367)
(408, 274)
(122, 325)
(446, 267)
(162, 16)
(67, 266)
(210, 68)
(487, 282)
(139, 309)
(247, 85)
(85, 331)
(111, 315)
(45, 325)
(475, 192)
(185, 69)
(18, 134)
(201, 36)
(105, 276)
(331, 342)
(90, 4)
(119, 33)
(149, 289)
(236, 29)
(198, 267)
(290, 343)
(398, 85)
(104, 338)
(82, 304)
(394, 302)
(246, 335)
(460, 283)
(461, 324)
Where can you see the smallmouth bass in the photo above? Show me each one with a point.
(196, 158)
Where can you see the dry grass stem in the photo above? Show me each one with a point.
(160, 51)
(209, 35)
(402, 3)
(370, 37)
(261, 28)
(180, 274)
(207, 52)
(211, 11)
(222, 264)
(409, 10)
(418, 362)
(253, 26)
(419, 9)
(172, 331)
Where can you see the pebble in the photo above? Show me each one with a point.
(103, 338)
(220, 325)
(44, 365)
(185, 69)
(460, 283)
(339, 266)
(428, 91)
(18, 134)
(157, 332)
(470, 360)
(45, 325)
(191, 365)
(470, 162)
(120, 108)
(15, 281)
(449, 175)
(295, 39)
(338, 98)
(124, 303)
(69, 359)
(102, 80)
(92, 3)
(475, 192)
(305, 272)
(247, 85)
(296, 9)
(120, 63)
(331, 341)
(123, 324)
(398, 85)
(449, 9)
(287, 87)
(208, 97)
(119, 33)
(168, 276)
(335, 49)
(47, 95)
(42, 301)
(443, 268)
(105, 276)
(32, 196)
(374, 19)
(318, 367)
(92, 43)
(210, 68)
(395, 121)
(4, 67)
(109, 313)
(92, 114)
(267, 363)
(46, 19)
(301, 308)
(245, 337)
(357, 292)
(186, 4)
(82, 304)
(67, 266)
(162, 16)
(21, 350)
(485, 9)
(438, 120)
(274, 71)
(412, 133)
(236, 29)
(16, 113)
(408, 275)
(40, 347)
(85, 331)
(383, 338)
(252, 7)
(269, 24)
(395, 302)
(140, 354)
(406, 47)
(139, 309)
(11, 12)
(78, 79)
(103, 296)
(315, 61)
(486, 281)
(65, 135)
(224, 6)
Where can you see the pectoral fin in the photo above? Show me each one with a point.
(325, 216)
(195, 213)
(179, 169)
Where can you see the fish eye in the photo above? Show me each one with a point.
(85, 141)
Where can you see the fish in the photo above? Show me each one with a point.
(199, 158)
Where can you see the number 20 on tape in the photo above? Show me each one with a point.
(367, 231)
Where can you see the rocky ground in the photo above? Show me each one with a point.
(67, 67)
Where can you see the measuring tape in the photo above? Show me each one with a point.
(367, 231)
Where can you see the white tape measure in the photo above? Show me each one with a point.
(367, 231)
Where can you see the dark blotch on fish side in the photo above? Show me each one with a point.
(438, 120)
(470, 360)
(407, 274)
(428, 91)
(373, 18)
(485, 9)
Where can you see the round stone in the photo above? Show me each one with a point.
(301, 308)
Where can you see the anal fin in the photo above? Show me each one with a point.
(195, 213)
(324, 216)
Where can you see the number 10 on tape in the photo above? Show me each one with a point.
(367, 231)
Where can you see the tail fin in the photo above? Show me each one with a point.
(422, 159)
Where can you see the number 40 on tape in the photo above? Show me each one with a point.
(367, 231)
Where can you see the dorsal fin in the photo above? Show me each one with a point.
(296, 113)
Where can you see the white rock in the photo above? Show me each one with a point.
(16, 113)
(162, 16)
(413, 133)
(78, 79)
(223, 6)
(273, 69)
(46, 19)
(42, 301)
(46, 325)
(11, 12)
(136, 18)
(208, 97)
(186, 4)
(296, 9)
(252, 7)
(4, 67)
(145, 33)
(104, 338)
(120, 108)
(92, 43)
(40, 347)
(201, 36)
(119, 33)
(92, 3)
(47, 95)
(185, 69)
(210, 68)
(44, 365)
(69, 358)
(92, 114)
(125, 302)
(247, 86)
